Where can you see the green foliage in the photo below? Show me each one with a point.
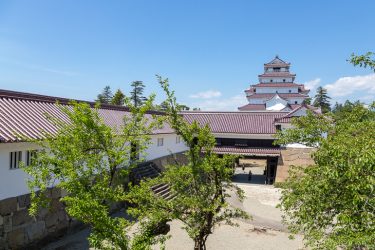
(118, 98)
(183, 107)
(333, 202)
(309, 130)
(106, 96)
(136, 95)
(163, 106)
(307, 101)
(340, 110)
(321, 100)
(365, 60)
(90, 161)
(199, 189)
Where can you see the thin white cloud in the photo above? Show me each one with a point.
(206, 94)
(39, 67)
(222, 104)
(346, 86)
(55, 71)
(312, 84)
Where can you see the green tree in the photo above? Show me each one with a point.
(90, 161)
(339, 110)
(307, 101)
(183, 107)
(199, 189)
(136, 95)
(106, 96)
(321, 100)
(118, 98)
(366, 60)
(333, 202)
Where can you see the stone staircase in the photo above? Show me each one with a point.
(151, 170)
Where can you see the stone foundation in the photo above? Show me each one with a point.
(295, 157)
(179, 158)
(19, 230)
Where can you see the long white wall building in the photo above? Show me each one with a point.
(24, 114)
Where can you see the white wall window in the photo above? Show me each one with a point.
(178, 139)
(160, 142)
(15, 159)
(30, 154)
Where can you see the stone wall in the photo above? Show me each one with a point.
(179, 158)
(18, 229)
(292, 156)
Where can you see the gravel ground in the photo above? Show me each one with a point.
(264, 231)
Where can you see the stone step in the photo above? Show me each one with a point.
(159, 187)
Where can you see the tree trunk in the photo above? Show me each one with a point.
(199, 243)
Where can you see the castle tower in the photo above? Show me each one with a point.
(276, 89)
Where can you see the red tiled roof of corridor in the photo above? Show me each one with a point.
(247, 151)
(24, 115)
(236, 122)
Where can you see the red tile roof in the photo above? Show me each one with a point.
(252, 107)
(288, 117)
(284, 96)
(24, 115)
(236, 122)
(277, 74)
(281, 84)
(247, 151)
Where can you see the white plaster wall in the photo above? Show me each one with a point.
(293, 100)
(256, 100)
(169, 146)
(283, 90)
(263, 100)
(274, 79)
(280, 70)
(13, 181)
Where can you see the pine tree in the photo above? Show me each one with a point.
(106, 96)
(118, 98)
(136, 95)
(321, 100)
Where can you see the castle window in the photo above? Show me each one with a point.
(255, 90)
(160, 142)
(271, 80)
(283, 80)
(290, 91)
(276, 69)
(178, 139)
(30, 155)
(295, 102)
(15, 159)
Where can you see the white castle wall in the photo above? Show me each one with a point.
(265, 90)
(268, 79)
(170, 146)
(299, 100)
(13, 181)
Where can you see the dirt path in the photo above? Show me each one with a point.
(265, 231)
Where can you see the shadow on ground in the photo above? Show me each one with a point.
(244, 178)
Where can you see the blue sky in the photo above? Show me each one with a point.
(210, 50)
